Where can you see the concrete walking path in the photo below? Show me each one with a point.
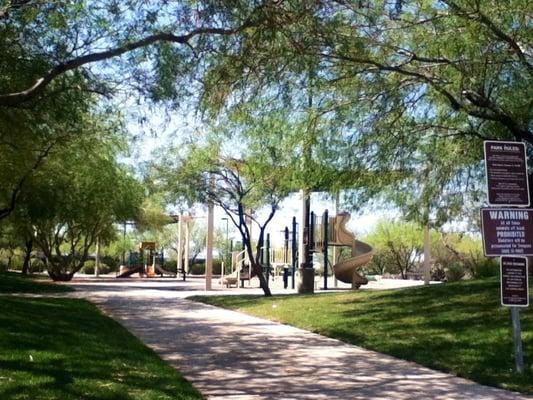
(229, 355)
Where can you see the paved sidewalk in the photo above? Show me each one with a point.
(229, 355)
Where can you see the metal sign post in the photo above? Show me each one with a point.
(517, 339)
(508, 232)
(515, 294)
(514, 281)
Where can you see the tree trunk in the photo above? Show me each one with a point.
(27, 256)
(262, 281)
(60, 276)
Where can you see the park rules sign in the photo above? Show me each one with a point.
(507, 231)
(506, 174)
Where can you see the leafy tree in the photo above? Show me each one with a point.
(462, 248)
(398, 246)
(406, 87)
(18, 228)
(77, 197)
(29, 135)
(237, 185)
(48, 76)
(456, 63)
(148, 45)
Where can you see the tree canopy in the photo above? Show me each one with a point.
(144, 44)
(76, 197)
(397, 88)
(241, 182)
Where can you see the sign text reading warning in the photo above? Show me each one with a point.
(507, 231)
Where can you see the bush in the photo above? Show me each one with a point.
(14, 262)
(112, 262)
(37, 265)
(89, 266)
(217, 267)
(198, 268)
(455, 272)
(170, 265)
(486, 268)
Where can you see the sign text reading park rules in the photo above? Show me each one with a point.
(506, 173)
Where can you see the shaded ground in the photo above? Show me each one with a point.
(65, 349)
(229, 355)
(459, 328)
(13, 282)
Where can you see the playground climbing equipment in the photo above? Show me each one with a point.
(328, 231)
(324, 232)
(147, 262)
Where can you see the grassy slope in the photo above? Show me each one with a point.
(66, 349)
(13, 282)
(460, 328)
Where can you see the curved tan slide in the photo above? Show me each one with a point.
(346, 270)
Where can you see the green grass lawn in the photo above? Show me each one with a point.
(64, 349)
(459, 328)
(13, 282)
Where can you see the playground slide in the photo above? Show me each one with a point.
(346, 271)
(162, 271)
(230, 279)
(130, 271)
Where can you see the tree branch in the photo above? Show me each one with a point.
(484, 20)
(16, 98)
(6, 211)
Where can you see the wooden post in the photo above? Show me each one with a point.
(180, 247)
(267, 255)
(97, 260)
(325, 247)
(335, 254)
(294, 253)
(209, 250)
(517, 340)
(186, 255)
(427, 256)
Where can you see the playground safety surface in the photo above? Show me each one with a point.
(230, 355)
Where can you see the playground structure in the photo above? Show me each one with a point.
(240, 270)
(332, 232)
(324, 231)
(147, 262)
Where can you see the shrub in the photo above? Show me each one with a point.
(198, 268)
(89, 266)
(170, 265)
(14, 262)
(37, 265)
(455, 272)
(486, 268)
(112, 262)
